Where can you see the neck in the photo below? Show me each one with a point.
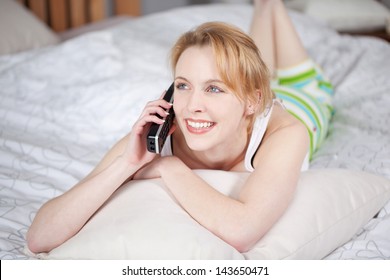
(218, 158)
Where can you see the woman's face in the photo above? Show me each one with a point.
(208, 114)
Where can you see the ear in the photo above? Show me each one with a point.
(253, 106)
(250, 109)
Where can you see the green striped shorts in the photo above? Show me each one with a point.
(307, 95)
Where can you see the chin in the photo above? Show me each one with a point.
(198, 144)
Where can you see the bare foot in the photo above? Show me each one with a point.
(264, 4)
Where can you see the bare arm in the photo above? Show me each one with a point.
(62, 217)
(263, 198)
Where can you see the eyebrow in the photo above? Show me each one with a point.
(182, 78)
(206, 82)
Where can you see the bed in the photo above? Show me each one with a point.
(64, 103)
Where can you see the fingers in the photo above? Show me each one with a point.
(150, 119)
(154, 112)
(158, 107)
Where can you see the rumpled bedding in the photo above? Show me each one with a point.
(63, 107)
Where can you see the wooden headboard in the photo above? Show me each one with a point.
(62, 15)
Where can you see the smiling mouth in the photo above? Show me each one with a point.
(199, 126)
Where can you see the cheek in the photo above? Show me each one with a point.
(237, 116)
(230, 117)
(178, 105)
(215, 108)
(234, 108)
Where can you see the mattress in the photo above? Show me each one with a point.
(62, 107)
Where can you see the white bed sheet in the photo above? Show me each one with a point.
(62, 107)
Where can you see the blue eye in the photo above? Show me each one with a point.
(214, 89)
(181, 86)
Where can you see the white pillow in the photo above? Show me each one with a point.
(21, 30)
(350, 15)
(143, 221)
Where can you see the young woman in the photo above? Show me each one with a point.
(226, 118)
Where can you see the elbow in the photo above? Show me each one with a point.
(38, 242)
(34, 243)
(244, 239)
(242, 245)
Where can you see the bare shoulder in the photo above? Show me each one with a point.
(285, 137)
(277, 163)
(282, 120)
(282, 123)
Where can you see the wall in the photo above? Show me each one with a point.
(152, 6)
(386, 3)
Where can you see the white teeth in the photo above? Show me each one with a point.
(199, 124)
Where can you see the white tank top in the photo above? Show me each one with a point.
(257, 135)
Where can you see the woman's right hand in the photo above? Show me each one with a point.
(136, 152)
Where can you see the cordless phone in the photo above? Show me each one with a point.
(157, 134)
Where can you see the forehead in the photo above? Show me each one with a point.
(196, 59)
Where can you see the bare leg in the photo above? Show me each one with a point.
(262, 32)
(275, 35)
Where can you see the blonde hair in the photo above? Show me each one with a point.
(238, 61)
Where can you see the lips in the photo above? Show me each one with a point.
(199, 126)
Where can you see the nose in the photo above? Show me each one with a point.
(196, 102)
